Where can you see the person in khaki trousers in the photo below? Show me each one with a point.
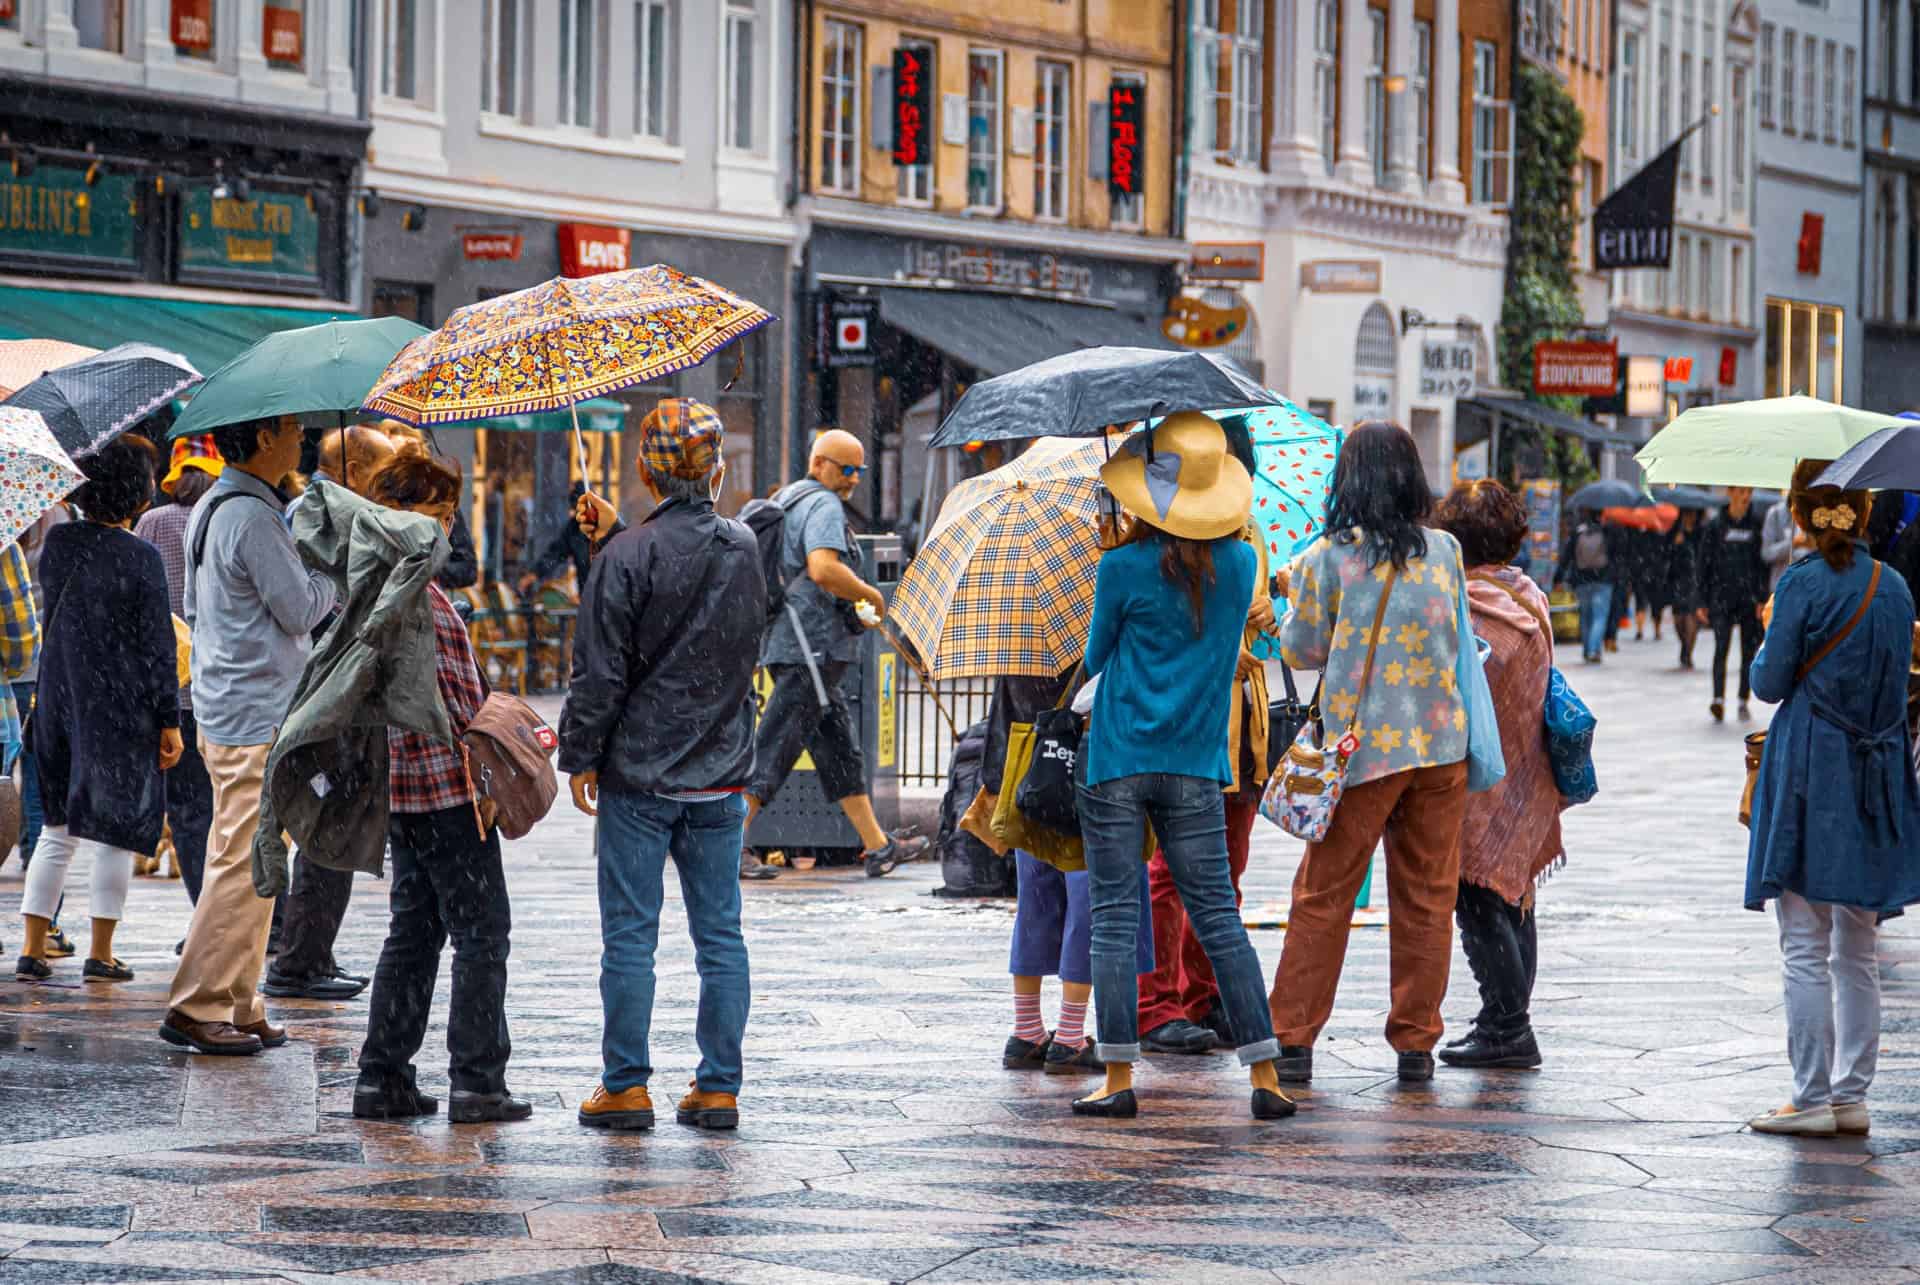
(253, 606)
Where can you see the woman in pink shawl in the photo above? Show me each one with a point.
(1511, 834)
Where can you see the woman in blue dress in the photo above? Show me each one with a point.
(1836, 810)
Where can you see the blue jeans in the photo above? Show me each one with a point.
(635, 835)
(1596, 604)
(1190, 821)
(31, 817)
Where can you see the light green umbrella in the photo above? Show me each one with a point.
(315, 369)
(1754, 443)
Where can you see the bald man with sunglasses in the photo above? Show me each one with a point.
(808, 650)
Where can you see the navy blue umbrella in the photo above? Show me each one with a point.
(1686, 497)
(1888, 460)
(92, 401)
(1610, 494)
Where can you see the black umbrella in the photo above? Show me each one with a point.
(1889, 460)
(1611, 494)
(1686, 497)
(92, 401)
(1079, 394)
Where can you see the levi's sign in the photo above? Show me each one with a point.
(587, 249)
(1574, 369)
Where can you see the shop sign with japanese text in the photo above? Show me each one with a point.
(275, 234)
(1126, 137)
(52, 213)
(1447, 368)
(912, 107)
(1572, 368)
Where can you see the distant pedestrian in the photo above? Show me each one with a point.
(108, 722)
(1510, 836)
(1647, 568)
(658, 736)
(1681, 549)
(809, 649)
(1380, 575)
(1586, 565)
(572, 545)
(1836, 812)
(1169, 611)
(19, 648)
(1733, 584)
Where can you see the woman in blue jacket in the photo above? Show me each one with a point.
(1836, 811)
(1168, 611)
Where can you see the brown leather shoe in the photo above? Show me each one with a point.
(628, 1109)
(705, 1110)
(207, 1037)
(269, 1035)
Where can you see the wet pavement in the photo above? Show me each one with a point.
(881, 1141)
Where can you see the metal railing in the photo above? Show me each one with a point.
(926, 740)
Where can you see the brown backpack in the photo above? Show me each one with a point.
(508, 752)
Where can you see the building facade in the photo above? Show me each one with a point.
(1371, 158)
(1889, 298)
(180, 174)
(518, 140)
(1683, 65)
(1577, 41)
(981, 184)
(1807, 205)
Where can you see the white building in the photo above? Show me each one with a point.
(1890, 287)
(1808, 201)
(1379, 196)
(1675, 62)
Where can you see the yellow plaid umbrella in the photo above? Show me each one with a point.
(1004, 582)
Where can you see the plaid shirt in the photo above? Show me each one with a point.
(19, 622)
(425, 775)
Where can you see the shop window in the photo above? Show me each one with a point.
(579, 91)
(1052, 136)
(739, 404)
(983, 129)
(913, 184)
(1326, 75)
(1377, 93)
(1126, 209)
(411, 300)
(500, 55)
(654, 37)
(283, 34)
(399, 48)
(1766, 75)
(1804, 349)
(101, 24)
(738, 134)
(1421, 86)
(840, 71)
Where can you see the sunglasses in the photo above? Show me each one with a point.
(852, 470)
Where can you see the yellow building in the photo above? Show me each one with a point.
(983, 183)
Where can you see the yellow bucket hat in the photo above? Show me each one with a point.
(1182, 478)
(197, 452)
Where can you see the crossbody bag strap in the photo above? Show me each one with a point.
(1859, 613)
(1373, 645)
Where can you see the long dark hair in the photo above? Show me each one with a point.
(1187, 565)
(1380, 487)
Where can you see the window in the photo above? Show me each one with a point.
(283, 33)
(1376, 352)
(739, 405)
(737, 132)
(1803, 349)
(983, 129)
(1787, 45)
(1630, 94)
(1829, 111)
(1248, 65)
(1706, 278)
(1736, 285)
(1326, 74)
(1663, 98)
(1913, 52)
(1913, 251)
(1422, 87)
(1686, 113)
(1737, 135)
(500, 56)
(1212, 91)
(101, 24)
(1377, 93)
(653, 64)
(1846, 97)
(1125, 209)
(1052, 114)
(1683, 274)
(397, 41)
(1889, 54)
(1766, 75)
(1884, 218)
(577, 89)
(1809, 72)
(914, 183)
(840, 67)
(1491, 162)
(1712, 127)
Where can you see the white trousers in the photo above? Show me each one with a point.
(47, 876)
(1833, 999)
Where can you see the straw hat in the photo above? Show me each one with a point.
(1182, 478)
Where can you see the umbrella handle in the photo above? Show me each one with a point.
(886, 628)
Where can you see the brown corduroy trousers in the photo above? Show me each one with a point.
(1419, 812)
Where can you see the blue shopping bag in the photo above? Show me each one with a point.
(1570, 727)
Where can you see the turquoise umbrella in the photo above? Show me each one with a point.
(324, 369)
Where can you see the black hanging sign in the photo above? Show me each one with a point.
(912, 107)
(1633, 228)
(1126, 137)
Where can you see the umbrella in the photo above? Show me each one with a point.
(315, 369)
(35, 473)
(90, 402)
(1888, 460)
(1612, 494)
(1004, 581)
(1755, 443)
(1656, 517)
(1685, 497)
(1082, 394)
(24, 360)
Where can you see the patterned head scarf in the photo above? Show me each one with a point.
(681, 438)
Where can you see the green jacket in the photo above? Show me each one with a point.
(326, 775)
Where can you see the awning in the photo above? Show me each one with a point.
(206, 334)
(1484, 409)
(995, 333)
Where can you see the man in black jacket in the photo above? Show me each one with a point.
(1733, 584)
(658, 736)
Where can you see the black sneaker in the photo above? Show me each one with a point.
(1295, 1064)
(1521, 1052)
(105, 970)
(1178, 1036)
(342, 975)
(900, 848)
(1024, 1055)
(464, 1107)
(1078, 1060)
(1415, 1068)
(394, 1102)
(29, 969)
(329, 988)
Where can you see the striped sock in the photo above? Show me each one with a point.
(1073, 1024)
(1026, 1019)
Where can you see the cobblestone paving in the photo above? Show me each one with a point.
(881, 1141)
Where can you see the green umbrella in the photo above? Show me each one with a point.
(325, 368)
(1754, 443)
